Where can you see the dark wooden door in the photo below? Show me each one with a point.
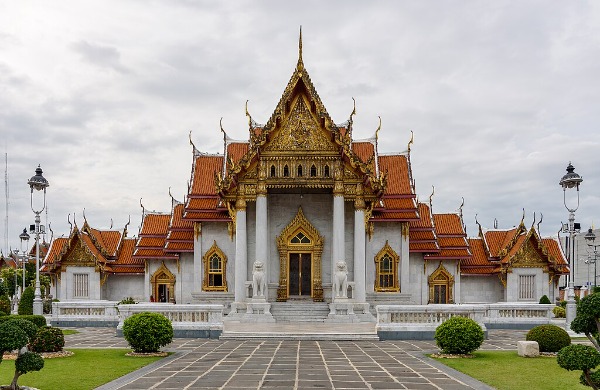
(300, 278)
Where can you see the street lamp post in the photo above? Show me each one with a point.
(568, 181)
(38, 183)
(24, 237)
(590, 237)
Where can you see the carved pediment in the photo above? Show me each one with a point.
(300, 133)
(79, 256)
(529, 256)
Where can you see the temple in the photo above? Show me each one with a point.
(303, 215)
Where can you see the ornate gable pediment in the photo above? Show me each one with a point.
(300, 132)
(530, 255)
(79, 256)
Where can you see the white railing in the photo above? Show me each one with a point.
(423, 317)
(85, 311)
(182, 317)
(501, 313)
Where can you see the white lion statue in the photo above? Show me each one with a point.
(340, 280)
(259, 281)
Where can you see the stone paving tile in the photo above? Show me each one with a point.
(283, 364)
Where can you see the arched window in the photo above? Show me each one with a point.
(313, 171)
(299, 170)
(300, 238)
(326, 172)
(286, 171)
(272, 170)
(386, 270)
(215, 263)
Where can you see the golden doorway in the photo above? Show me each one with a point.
(163, 285)
(300, 275)
(300, 248)
(441, 284)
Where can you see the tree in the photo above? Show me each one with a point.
(587, 319)
(15, 335)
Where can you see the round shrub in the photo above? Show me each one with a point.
(127, 301)
(550, 338)
(48, 339)
(27, 362)
(12, 337)
(459, 335)
(147, 332)
(578, 357)
(26, 302)
(559, 312)
(27, 326)
(544, 300)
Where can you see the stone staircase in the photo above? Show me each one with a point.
(299, 311)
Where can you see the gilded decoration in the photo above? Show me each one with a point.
(314, 246)
(529, 256)
(215, 267)
(441, 278)
(163, 276)
(386, 262)
(301, 132)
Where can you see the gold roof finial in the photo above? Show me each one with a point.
(378, 128)
(431, 198)
(300, 63)
(412, 139)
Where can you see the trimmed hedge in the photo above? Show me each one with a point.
(147, 332)
(26, 302)
(37, 320)
(5, 305)
(459, 335)
(559, 312)
(48, 339)
(27, 326)
(550, 338)
(544, 300)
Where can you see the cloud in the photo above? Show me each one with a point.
(99, 55)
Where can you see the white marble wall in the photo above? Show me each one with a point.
(481, 289)
(184, 285)
(212, 231)
(66, 286)
(392, 232)
(118, 287)
(512, 284)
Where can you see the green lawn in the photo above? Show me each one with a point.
(86, 369)
(505, 370)
(69, 331)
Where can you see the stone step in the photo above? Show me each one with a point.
(298, 336)
(300, 311)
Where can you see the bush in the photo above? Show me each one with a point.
(48, 339)
(594, 377)
(559, 312)
(459, 335)
(127, 301)
(12, 337)
(580, 357)
(38, 320)
(5, 305)
(596, 289)
(26, 302)
(550, 338)
(27, 362)
(47, 305)
(563, 304)
(27, 326)
(147, 332)
(544, 300)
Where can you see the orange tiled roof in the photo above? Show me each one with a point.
(237, 150)
(364, 150)
(107, 239)
(451, 237)
(394, 216)
(451, 241)
(448, 224)
(430, 247)
(207, 216)
(56, 248)
(177, 221)
(422, 237)
(424, 222)
(203, 174)
(150, 242)
(498, 239)
(202, 203)
(179, 246)
(399, 204)
(398, 180)
(555, 251)
(185, 235)
(155, 224)
(92, 248)
(479, 257)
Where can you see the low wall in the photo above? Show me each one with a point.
(85, 314)
(418, 322)
(204, 321)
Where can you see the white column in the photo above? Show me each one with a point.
(198, 271)
(360, 293)
(241, 249)
(405, 260)
(147, 287)
(262, 242)
(337, 242)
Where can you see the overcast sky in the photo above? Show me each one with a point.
(500, 96)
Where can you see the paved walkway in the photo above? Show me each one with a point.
(286, 364)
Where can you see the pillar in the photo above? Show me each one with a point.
(262, 241)
(360, 287)
(405, 261)
(198, 271)
(337, 241)
(241, 247)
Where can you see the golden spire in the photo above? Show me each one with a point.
(300, 63)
